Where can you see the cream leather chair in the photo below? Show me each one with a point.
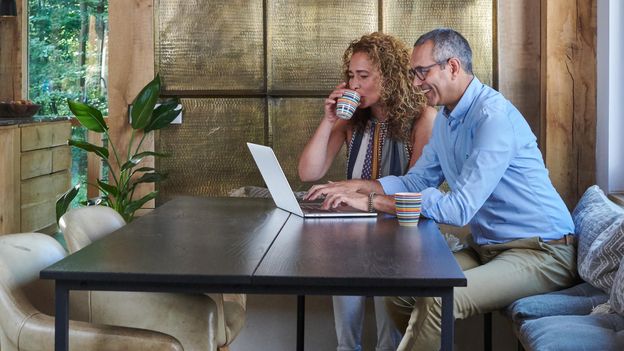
(26, 305)
(200, 322)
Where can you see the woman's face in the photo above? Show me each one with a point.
(365, 79)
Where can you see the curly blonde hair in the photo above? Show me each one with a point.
(403, 103)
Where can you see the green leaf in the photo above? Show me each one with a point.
(152, 177)
(136, 159)
(98, 150)
(90, 117)
(144, 169)
(65, 200)
(162, 119)
(137, 204)
(130, 163)
(107, 188)
(168, 105)
(143, 104)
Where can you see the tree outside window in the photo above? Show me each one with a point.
(67, 59)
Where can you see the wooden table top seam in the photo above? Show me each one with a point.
(253, 274)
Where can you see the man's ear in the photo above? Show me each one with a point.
(455, 66)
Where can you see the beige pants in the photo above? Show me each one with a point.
(497, 275)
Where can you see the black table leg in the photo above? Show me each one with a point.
(300, 321)
(61, 321)
(487, 331)
(448, 320)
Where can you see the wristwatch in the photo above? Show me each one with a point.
(371, 196)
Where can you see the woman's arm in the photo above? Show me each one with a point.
(421, 132)
(322, 148)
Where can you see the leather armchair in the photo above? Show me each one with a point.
(23, 297)
(199, 321)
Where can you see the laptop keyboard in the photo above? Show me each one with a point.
(316, 207)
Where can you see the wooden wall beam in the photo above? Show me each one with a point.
(519, 57)
(21, 51)
(8, 37)
(131, 67)
(10, 198)
(12, 62)
(568, 90)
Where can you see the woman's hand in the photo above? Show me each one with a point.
(353, 199)
(322, 148)
(345, 186)
(332, 100)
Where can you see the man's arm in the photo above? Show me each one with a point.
(493, 148)
(426, 173)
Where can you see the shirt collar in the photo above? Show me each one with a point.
(462, 107)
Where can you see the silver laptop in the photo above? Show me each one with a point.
(282, 193)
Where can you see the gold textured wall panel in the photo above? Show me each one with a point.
(210, 45)
(306, 40)
(208, 151)
(474, 19)
(258, 70)
(293, 121)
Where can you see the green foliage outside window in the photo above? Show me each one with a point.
(67, 49)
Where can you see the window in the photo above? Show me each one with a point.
(610, 98)
(67, 59)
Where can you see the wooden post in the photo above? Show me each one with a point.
(568, 91)
(8, 57)
(131, 67)
(519, 57)
(94, 165)
(9, 179)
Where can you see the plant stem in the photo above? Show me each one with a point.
(110, 168)
(130, 144)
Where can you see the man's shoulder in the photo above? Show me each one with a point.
(491, 102)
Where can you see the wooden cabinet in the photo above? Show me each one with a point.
(35, 168)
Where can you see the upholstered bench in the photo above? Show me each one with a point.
(590, 315)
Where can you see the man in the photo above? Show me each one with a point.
(483, 147)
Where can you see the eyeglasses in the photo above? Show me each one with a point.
(421, 72)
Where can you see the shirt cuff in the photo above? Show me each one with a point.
(430, 198)
(392, 185)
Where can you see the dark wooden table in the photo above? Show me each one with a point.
(234, 245)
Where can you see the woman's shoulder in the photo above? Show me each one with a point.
(426, 117)
(428, 112)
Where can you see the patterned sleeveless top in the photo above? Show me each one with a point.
(372, 154)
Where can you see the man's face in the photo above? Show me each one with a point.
(434, 79)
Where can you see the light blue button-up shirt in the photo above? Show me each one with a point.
(487, 153)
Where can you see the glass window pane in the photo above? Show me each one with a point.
(67, 59)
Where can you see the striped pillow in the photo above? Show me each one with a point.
(603, 257)
(593, 214)
(617, 291)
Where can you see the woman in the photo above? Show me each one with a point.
(385, 136)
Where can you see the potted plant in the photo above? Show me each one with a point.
(119, 190)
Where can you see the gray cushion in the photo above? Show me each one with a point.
(593, 214)
(617, 290)
(579, 299)
(603, 257)
(603, 332)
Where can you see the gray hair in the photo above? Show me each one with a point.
(448, 43)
